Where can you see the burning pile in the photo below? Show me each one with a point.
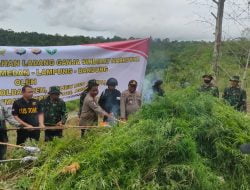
(182, 141)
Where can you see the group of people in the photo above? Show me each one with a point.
(233, 95)
(28, 112)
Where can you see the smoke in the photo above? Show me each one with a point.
(147, 92)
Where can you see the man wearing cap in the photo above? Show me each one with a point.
(91, 109)
(157, 88)
(110, 98)
(5, 116)
(208, 86)
(55, 113)
(235, 95)
(130, 100)
(84, 94)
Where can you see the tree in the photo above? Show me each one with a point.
(218, 35)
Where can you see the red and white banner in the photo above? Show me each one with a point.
(70, 67)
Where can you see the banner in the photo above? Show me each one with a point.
(70, 67)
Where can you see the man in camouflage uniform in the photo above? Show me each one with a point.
(130, 100)
(55, 113)
(208, 86)
(84, 94)
(5, 116)
(235, 95)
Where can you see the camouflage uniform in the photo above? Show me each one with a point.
(54, 112)
(210, 88)
(5, 116)
(236, 97)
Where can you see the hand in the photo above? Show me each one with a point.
(59, 124)
(42, 126)
(28, 127)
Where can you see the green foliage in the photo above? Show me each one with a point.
(183, 141)
(72, 105)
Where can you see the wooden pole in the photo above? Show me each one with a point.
(12, 145)
(56, 128)
(218, 34)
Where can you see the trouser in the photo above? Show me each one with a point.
(23, 135)
(50, 134)
(3, 148)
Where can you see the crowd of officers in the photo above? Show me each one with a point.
(28, 112)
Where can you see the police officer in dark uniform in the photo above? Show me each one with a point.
(110, 98)
(157, 88)
(55, 113)
(28, 113)
(91, 83)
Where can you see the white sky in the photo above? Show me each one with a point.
(174, 19)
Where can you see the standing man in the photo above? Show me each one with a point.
(5, 116)
(55, 113)
(130, 100)
(84, 94)
(27, 111)
(208, 86)
(110, 98)
(235, 95)
(157, 88)
(91, 109)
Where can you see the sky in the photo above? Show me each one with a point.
(174, 19)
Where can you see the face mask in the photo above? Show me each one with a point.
(207, 81)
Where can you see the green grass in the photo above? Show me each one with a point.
(183, 141)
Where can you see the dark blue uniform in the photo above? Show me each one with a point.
(110, 101)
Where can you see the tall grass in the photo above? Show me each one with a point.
(183, 141)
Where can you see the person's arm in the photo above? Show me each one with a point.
(11, 120)
(64, 113)
(122, 106)
(40, 115)
(26, 125)
(15, 109)
(97, 109)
